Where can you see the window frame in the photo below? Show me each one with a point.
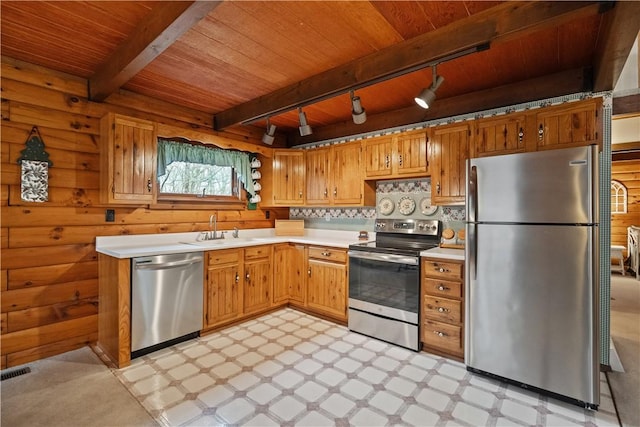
(618, 190)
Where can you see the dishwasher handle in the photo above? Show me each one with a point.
(165, 265)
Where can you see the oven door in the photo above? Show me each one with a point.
(385, 285)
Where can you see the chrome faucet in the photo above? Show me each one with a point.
(213, 234)
(236, 232)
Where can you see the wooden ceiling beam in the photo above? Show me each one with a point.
(626, 105)
(500, 23)
(160, 28)
(619, 29)
(559, 84)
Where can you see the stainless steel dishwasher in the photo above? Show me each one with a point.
(166, 300)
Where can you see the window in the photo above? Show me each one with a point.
(198, 180)
(618, 198)
(195, 172)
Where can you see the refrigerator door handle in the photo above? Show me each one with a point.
(473, 194)
(473, 249)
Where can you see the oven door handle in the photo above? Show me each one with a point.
(377, 256)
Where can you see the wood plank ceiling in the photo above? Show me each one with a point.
(246, 59)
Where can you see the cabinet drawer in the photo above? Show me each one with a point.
(440, 269)
(332, 254)
(442, 336)
(223, 257)
(443, 288)
(257, 252)
(443, 309)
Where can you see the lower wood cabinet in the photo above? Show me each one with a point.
(327, 281)
(289, 274)
(223, 297)
(258, 281)
(442, 298)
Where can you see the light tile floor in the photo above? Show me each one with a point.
(289, 368)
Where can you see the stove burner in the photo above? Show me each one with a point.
(403, 236)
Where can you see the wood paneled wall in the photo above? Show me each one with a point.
(628, 173)
(48, 265)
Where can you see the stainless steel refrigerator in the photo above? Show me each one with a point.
(531, 273)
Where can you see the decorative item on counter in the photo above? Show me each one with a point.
(34, 162)
(363, 235)
(451, 239)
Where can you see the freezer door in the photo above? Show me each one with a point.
(532, 306)
(553, 186)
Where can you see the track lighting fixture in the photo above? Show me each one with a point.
(304, 128)
(428, 95)
(357, 112)
(269, 135)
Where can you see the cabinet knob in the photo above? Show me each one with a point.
(149, 185)
(442, 288)
(387, 161)
(438, 188)
(440, 334)
(520, 136)
(326, 192)
(326, 253)
(309, 272)
(441, 270)
(237, 277)
(400, 159)
(335, 191)
(540, 132)
(442, 310)
(300, 194)
(247, 276)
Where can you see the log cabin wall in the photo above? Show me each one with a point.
(48, 265)
(628, 173)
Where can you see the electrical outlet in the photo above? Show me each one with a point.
(267, 214)
(110, 215)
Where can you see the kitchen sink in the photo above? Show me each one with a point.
(221, 242)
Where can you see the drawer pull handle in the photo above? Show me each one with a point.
(443, 288)
(442, 310)
(440, 334)
(326, 253)
(442, 270)
(237, 277)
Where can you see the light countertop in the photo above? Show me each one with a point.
(171, 243)
(444, 253)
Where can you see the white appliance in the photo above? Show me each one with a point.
(532, 271)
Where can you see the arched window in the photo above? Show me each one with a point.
(618, 198)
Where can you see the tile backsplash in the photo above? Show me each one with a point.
(363, 218)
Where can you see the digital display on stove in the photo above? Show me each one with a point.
(403, 225)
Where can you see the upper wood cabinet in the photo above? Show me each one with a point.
(499, 135)
(568, 125)
(334, 176)
(127, 160)
(318, 176)
(283, 179)
(449, 151)
(397, 156)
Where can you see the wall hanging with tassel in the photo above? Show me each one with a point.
(35, 164)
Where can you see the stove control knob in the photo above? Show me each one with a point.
(421, 226)
(379, 225)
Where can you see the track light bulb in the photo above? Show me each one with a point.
(357, 112)
(304, 128)
(269, 135)
(428, 95)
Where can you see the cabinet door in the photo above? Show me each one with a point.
(317, 176)
(288, 177)
(450, 149)
(289, 274)
(495, 136)
(378, 157)
(257, 285)
(222, 294)
(569, 125)
(411, 154)
(128, 160)
(347, 179)
(327, 288)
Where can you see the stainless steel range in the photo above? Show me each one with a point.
(384, 280)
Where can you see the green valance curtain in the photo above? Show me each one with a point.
(171, 151)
